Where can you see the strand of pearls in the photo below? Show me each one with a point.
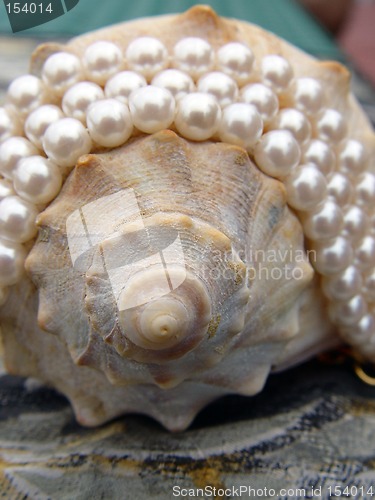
(103, 98)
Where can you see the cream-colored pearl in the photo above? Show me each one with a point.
(12, 259)
(344, 285)
(263, 98)
(355, 223)
(352, 158)
(101, 60)
(37, 179)
(294, 121)
(6, 189)
(39, 120)
(152, 108)
(348, 312)
(319, 153)
(360, 333)
(198, 116)
(146, 55)
(241, 124)
(365, 191)
(26, 93)
(65, 141)
(79, 97)
(370, 286)
(277, 153)
(194, 56)
(11, 151)
(10, 125)
(339, 188)
(121, 85)
(4, 294)
(308, 95)
(324, 223)
(333, 256)
(17, 219)
(177, 82)
(60, 71)
(109, 122)
(276, 72)
(331, 126)
(220, 85)
(365, 253)
(236, 60)
(306, 187)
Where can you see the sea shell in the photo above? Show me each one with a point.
(215, 221)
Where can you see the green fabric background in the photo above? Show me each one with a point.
(284, 17)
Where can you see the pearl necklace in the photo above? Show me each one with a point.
(204, 95)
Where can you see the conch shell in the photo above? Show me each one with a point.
(215, 220)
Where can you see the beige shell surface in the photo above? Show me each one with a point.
(168, 272)
(247, 325)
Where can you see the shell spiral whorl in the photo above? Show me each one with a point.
(271, 153)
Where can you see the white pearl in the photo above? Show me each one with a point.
(121, 85)
(60, 71)
(263, 98)
(370, 287)
(11, 151)
(339, 188)
(9, 124)
(355, 223)
(220, 85)
(277, 153)
(294, 121)
(151, 108)
(331, 126)
(352, 158)
(241, 124)
(305, 187)
(344, 285)
(348, 312)
(319, 153)
(365, 191)
(6, 189)
(236, 60)
(39, 120)
(65, 141)
(17, 219)
(194, 56)
(102, 60)
(178, 83)
(79, 97)
(4, 294)
(365, 253)
(333, 256)
(276, 72)
(324, 223)
(12, 259)
(109, 122)
(308, 95)
(146, 55)
(198, 116)
(26, 93)
(37, 179)
(360, 333)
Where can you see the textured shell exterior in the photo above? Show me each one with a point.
(223, 211)
(169, 272)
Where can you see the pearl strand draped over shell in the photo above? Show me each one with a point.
(114, 92)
